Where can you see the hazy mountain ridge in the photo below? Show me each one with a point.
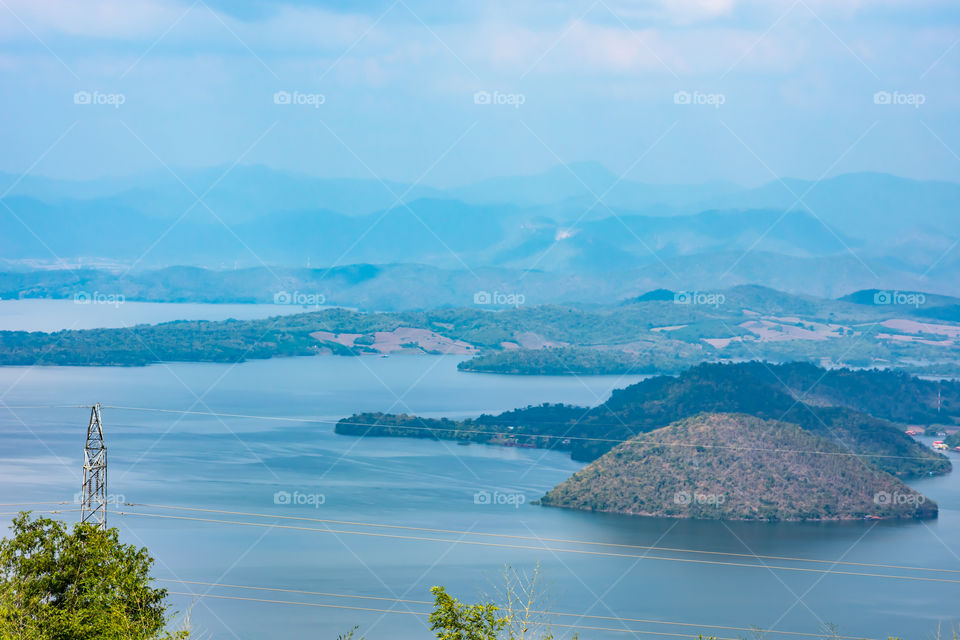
(849, 232)
(417, 286)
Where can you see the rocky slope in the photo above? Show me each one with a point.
(737, 467)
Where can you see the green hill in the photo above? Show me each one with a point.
(861, 411)
(737, 467)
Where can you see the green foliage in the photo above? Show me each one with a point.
(82, 584)
(854, 408)
(453, 620)
(560, 361)
(651, 335)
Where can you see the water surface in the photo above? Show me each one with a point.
(103, 311)
(240, 464)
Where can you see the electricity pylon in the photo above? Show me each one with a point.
(94, 506)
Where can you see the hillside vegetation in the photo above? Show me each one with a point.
(648, 334)
(737, 467)
(858, 410)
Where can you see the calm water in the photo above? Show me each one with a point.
(54, 315)
(238, 464)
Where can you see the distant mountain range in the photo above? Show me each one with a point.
(398, 287)
(854, 231)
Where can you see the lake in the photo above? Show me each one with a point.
(248, 465)
(104, 311)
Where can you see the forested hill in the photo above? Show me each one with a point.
(649, 335)
(853, 409)
(739, 468)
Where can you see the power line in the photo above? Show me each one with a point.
(533, 611)
(636, 439)
(519, 537)
(563, 614)
(417, 613)
(540, 539)
(53, 511)
(536, 548)
(45, 406)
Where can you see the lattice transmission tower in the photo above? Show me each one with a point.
(94, 507)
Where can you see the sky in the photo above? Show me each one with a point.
(447, 93)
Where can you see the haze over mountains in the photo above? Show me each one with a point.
(849, 232)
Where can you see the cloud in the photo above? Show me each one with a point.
(191, 25)
(117, 19)
(398, 88)
(685, 11)
(585, 47)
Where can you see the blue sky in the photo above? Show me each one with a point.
(663, 91)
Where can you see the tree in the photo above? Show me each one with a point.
(453, 620)
(57, 584)
(525, 604)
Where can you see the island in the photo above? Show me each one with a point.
(737, 467)
(657, 333)
(845, 427)
(862, 411)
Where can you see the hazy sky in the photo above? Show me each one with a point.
(773, 87)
